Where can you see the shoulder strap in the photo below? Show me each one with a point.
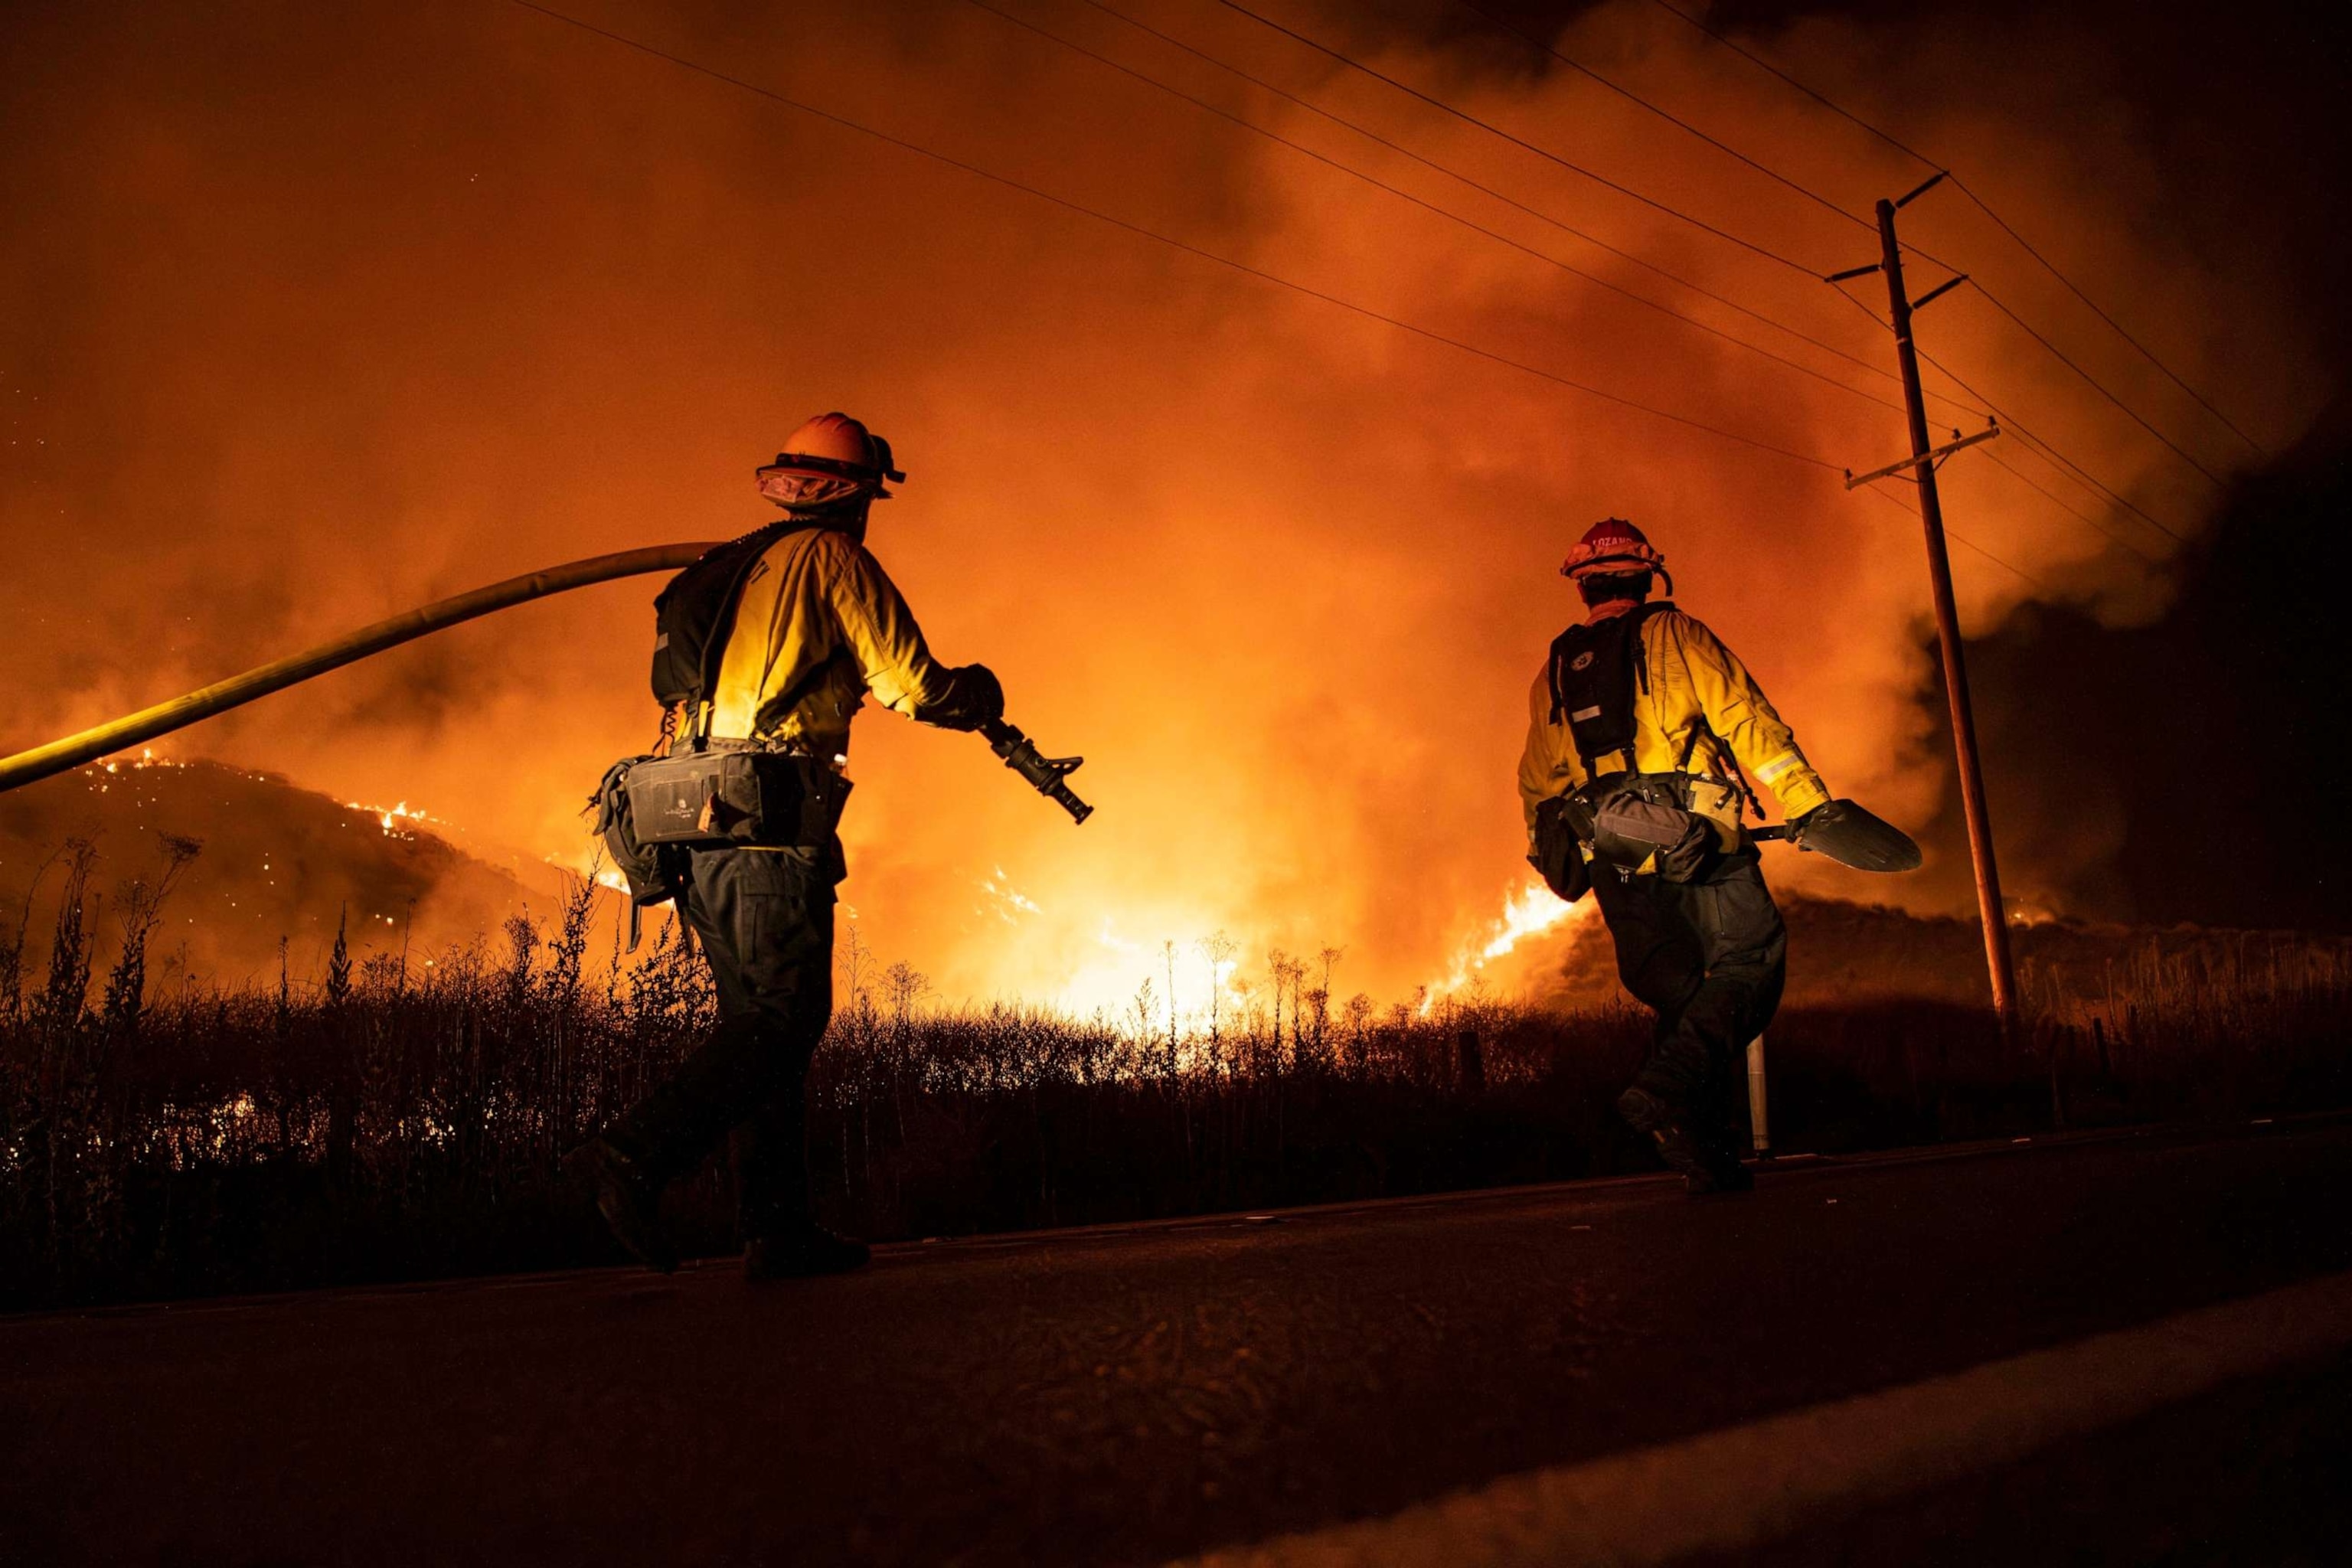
(1641, 650)
(1629, 625)
(754, 547)
(1551, 672)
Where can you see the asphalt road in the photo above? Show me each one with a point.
(1141, 1394)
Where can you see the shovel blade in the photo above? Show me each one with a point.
(1854, 837)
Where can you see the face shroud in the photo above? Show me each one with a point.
(831, 468)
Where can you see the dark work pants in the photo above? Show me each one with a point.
(1708, 957)
(764, 918)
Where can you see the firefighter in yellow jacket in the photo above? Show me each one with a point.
(1643, 733)
(810, 626)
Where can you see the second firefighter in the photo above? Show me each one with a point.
(1643, 732)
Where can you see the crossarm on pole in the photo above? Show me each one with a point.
(1932, 456)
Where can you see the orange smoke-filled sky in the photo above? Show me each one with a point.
(320, 314)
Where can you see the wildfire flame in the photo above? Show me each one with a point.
(389, 817)
(1532, 910)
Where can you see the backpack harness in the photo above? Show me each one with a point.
(653, 809)
(694, 614)
(1625, 817)
(1595, 669)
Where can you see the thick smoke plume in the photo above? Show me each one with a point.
(322, 314)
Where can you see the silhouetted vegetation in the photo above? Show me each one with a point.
(400, 1116)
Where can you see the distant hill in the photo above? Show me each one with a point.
(278, 861)
(281, 860)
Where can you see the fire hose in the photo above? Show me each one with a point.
(1047, 775)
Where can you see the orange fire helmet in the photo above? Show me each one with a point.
(833, 446)
(1612, 545)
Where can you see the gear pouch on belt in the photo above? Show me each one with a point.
(735, 796)
(639, 864)
(1636, 819)
(653, 871)
(1558, 857)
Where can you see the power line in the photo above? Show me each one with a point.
(1981, 205)
(2118, 539)
(1304, 103)
(1356, 65)
(2045, 450)
(1226, 115)
(1543, 152)
(1440, 104)
(1667, 115)
(1761, 63)
(2050, 452)
(1426, 206)
(1493, 194)
(1187, 247)
(1913, 512)
(2060, 463)
(2144, 351)
(1988, 295)
(1466, 223)
(1815, 197)
(2061, 357)
(959, 164)
(1995, 300)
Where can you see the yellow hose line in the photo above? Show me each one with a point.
(219, 698)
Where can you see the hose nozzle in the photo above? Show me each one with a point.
(1047, 775)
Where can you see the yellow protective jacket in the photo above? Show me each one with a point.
(1702, 705)
(820, 625)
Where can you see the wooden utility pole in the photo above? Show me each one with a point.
(1948, 627)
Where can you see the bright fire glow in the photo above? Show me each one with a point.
(391, 818)
(1533, 910)
(1284, 573)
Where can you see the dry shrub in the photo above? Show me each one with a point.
(403, 1115)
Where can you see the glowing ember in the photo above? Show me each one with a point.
(1005, 902)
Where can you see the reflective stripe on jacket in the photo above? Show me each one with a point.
(819, 626)
(1692, 677)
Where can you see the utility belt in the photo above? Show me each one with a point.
(735, 792)
(1632, 820)
(653, 812)
(1674, 825)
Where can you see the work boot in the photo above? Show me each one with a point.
(1731, 1175)
(802, 1252)
(629, 1200)
(1705, 1168)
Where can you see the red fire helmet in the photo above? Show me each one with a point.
(836, 447)
(1612, 544)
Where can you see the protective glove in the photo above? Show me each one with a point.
(1825, 815)
(974, 697)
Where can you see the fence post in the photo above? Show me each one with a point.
(1759, 1127)
(1470, 1060)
